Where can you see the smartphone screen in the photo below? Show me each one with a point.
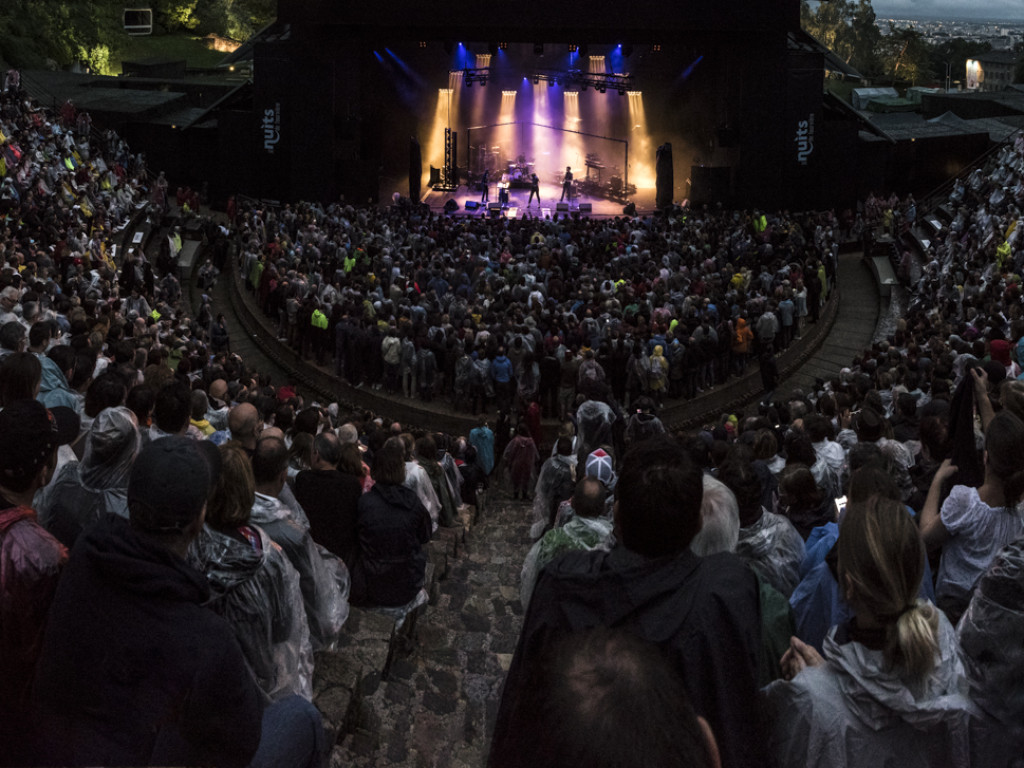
(840, 507)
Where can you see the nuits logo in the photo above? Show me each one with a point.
(804, 139)
(271, 128)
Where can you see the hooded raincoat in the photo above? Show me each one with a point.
(54, 389)
(774, 549)
(256, 588)
(323, 577)
(990, 633)
(584, 533)
(85, 491)
(852, 711)
(554, 485)
(30, 565)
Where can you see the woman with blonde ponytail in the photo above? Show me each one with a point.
(890, 689)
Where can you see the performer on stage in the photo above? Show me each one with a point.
(534, 189)
(566, 184)
(484, 182)
(503, 186)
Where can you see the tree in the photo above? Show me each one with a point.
(865, 37)
(846, 28)
(177, 15)
(905, 56)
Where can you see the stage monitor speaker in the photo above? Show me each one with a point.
(451, 206)
(630, 210)
(471, 205)
(415, 168)
(435, 177)
(586, 207)
(664, 183)
(562, 207)
(494, 206)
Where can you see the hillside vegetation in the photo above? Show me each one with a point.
(34, 33)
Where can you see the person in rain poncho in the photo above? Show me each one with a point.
(644, 422)
(554, 485)
(599, 464)
(657, 376)
(594, 424)
(323, 577)
(253, 584)
(989, 633)
(768, 541)
(890, 688)
(588, 529)
(85, 491)
(417, 480)
(520, 457)
(426, 454)
(482, 438)
(720, 532)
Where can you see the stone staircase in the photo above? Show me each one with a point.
(427, 695)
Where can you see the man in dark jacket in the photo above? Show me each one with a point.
(704, 613)
(393, 527)
(134, 669)
(330, 498)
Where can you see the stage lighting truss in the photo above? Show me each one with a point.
(575, 79)
(474, 75)
(571, 80)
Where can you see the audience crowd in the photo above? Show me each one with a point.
(830, 579)
(508, 313)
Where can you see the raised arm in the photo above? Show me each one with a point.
(933, 532)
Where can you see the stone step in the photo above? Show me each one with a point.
(437, 701)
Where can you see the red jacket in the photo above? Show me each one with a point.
(30, 564)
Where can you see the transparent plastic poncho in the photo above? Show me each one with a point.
(554, 485)
(594, 422)
(774, 549)
(85, 491)
(991, 634)
(323, 576)
(257, 591)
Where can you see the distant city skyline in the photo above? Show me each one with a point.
(991, 10)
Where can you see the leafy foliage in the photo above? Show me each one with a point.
(177, 15)
(91, 31)
(848, 29)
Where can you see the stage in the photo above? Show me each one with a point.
(713, 103)
(519, 207)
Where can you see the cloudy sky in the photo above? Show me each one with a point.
(962, 9)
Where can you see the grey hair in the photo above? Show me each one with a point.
(720, 513)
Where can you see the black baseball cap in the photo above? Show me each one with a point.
(29, 431)
(170, 483)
